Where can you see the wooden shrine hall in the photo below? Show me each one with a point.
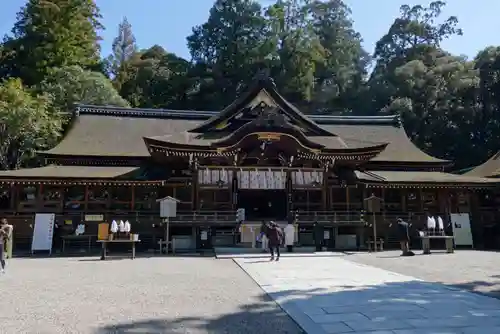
(260, 153)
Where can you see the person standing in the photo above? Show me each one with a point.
(263, 237)
(5, 232)
(403, 236)
(289, 236)
(275, 238)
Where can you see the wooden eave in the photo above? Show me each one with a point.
(72, 175)
(307, 149)
(86, 182)
(85, 160)
(421, 179)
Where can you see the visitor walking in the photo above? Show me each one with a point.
(275, 238)
(5, 232)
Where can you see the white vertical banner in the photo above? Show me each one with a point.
(43, 232)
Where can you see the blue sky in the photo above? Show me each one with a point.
(168, 22)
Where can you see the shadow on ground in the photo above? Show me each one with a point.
(390, 306)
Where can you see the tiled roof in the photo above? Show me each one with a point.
(421, 177)
(68, 172)
(99, 131)
(490, 168)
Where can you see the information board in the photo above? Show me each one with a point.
(43, 232)
(461, 229)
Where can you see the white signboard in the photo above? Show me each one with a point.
(43, 232)
(461, 229)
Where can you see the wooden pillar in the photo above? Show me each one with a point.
(194, 189)
(132, 197)
(110, 197)
(421, 199)
(404, 195)
(442, 196)
(13, 195)
(86, 198)
(234, 189)
(383, 207)
(39, 197)
(348, 202)
(324, 191)
(289, 191)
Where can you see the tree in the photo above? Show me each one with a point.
(230, 46)
(70, 85)
(341, 74)
(27, 124)
(50, 34)
(297, 49)
(124, 48)
(412, 36)
(437, 95)
(156, 79)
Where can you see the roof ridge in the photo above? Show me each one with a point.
(89, 109)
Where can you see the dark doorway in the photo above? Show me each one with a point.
(263, 204)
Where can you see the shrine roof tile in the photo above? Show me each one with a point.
(69, 172)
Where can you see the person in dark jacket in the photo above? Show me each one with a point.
(275, 238)
(403, 236)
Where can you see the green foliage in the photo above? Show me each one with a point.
(70, 85)
(124, 48)
(52, 34)
(309, 47)
(27, 123)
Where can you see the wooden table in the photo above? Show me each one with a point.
(116, 241)
(380, 245)
(67, 238)
(426, 242)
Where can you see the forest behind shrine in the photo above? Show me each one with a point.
(51, 59)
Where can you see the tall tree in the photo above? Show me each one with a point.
(412, 36)
(230, 46)
(487, 122)
(341, 74)
(124, 48)
(297, 49)
(54, 33)
(27, 124)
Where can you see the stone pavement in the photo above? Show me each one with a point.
(334, 295)
(467, 269)
(154, 295)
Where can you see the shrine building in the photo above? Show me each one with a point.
(260, 153)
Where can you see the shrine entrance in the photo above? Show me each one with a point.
(263, 204)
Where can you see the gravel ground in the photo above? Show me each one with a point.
(147, 295)
(472, 270)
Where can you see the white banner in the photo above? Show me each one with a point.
(261, 179)
(43, 232)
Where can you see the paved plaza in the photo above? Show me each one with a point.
(477, 271)
(324, 293)
(335, 295)
(146, 295)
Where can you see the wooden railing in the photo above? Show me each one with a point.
(205, 216)
(331, 217)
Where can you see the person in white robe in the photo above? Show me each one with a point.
(440, 225)
(289, 236)
(264, 241)
(431, 224)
